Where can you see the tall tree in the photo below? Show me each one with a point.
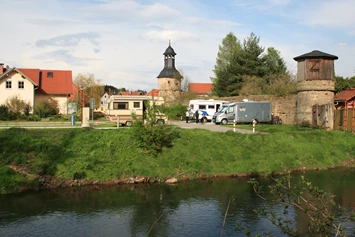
(93, 88)
(251, 61)
(274, 64)
(225, 82)
(245, 69)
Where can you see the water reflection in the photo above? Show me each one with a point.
(188, 209)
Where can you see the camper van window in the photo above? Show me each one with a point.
(211, 106)
(230, 110)
(202, 107)
(120, 105)
(136, 104)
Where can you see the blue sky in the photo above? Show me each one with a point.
(122, 41)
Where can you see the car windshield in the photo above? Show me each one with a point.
(223, 109)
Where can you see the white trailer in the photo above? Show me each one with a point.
(210, 106)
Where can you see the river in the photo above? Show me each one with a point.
(195, 208)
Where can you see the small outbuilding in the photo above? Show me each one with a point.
(344, 110)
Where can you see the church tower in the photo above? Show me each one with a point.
(169, 79)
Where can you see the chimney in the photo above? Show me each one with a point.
(1, 68)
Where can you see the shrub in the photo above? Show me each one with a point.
(150, 136)
(18, 106)
(4, 112)
(46, 108)
(33, 117)
(173, 112)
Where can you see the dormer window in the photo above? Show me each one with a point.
(50, 74)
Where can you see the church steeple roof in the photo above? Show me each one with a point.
(169, 70)
(169, 50)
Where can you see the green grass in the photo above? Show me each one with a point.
(107, 154)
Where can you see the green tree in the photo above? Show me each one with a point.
(342, 83)
(245, 69)
(226, 70)
(274, 64)
(251, 62)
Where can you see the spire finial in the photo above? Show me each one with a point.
(169, 42)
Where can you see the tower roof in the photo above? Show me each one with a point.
(315, 54)
(169, 50)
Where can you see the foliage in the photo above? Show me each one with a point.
(46, 108)
(342, 83)
(6, 114)
(93, 88)
(33, 117)
(326, 218)
(18, 106)
(10, 181)
(174, 112)
(246, 69)
(150, 136)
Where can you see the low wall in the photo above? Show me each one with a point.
(284, 106)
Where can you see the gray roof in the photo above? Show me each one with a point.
(169, 73)
(315, 54)
(169, 51)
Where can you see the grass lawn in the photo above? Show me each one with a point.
(106, 154)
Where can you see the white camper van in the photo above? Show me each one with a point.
(209, 106)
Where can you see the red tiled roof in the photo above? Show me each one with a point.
(130, 93)
(60, 82)
(201, 88)
(345, 95)
(32, 73)
(153, 92)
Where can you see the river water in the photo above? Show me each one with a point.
(195, 208)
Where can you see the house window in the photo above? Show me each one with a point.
(120, 105)
(21, 84)
(136, 104)
(49, 74)
(8, 84)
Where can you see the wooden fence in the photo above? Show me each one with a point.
(344, 119)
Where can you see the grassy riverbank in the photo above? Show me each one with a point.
(102, 155)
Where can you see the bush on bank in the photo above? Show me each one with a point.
(102, 155)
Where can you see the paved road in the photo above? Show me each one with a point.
(212, 127)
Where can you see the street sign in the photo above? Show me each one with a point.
(92, 103)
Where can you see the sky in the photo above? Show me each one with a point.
(122, 41)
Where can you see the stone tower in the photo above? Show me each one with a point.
(315, 86)
(169, 79)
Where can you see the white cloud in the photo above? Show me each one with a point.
(338, 13)
(169, 35)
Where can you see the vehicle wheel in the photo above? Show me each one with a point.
(160, 122)
(128, 124)
(204, 120)
(224, 121)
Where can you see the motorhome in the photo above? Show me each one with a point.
(122, 107)
(210, 106)
(244, 112)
